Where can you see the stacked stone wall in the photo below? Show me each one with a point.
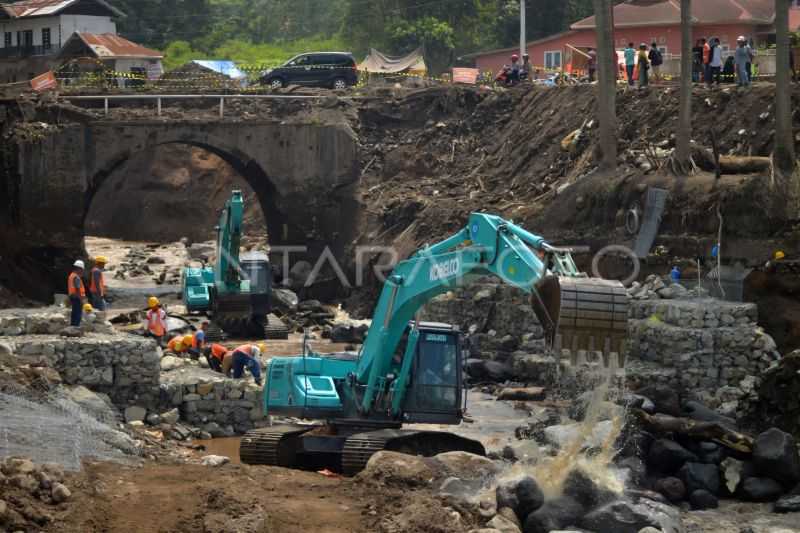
(217, 405)
(125, 367)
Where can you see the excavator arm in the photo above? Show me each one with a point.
(488, 245)
(411, 373)
(229, 237)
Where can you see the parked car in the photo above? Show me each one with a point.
(336, 70)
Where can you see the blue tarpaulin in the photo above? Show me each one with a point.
(226, 68)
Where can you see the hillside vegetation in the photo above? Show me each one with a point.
(267, 32)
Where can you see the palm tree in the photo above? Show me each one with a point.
(606, 84)
(684, 133)
(784, 154)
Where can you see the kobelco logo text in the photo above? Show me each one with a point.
(444, 270)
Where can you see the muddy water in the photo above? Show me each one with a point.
(228, 446)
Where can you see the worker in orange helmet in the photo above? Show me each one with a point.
(155, 322)
(76, 292)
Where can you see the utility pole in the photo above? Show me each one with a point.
(523, 43)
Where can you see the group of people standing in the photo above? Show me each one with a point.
(708, 64)
(82, 300)
(639, 63)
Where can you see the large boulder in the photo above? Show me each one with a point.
(504, 524)
(790, 503)
(285, 299)
(698, 411)
(522, 495)
(668, 456)
(624, 516)
(465, 465)
(664, 398)
(398, 469)
(702, 499)
(775, 456)
(97, 404)
(135, 414)
(699, 476)
(483, 370)
(555, 514)
(760, 489)
(581, 488)
(672, 488)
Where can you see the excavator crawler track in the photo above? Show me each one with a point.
(274, 328)
(274, 446)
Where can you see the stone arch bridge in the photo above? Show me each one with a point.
(304, 175)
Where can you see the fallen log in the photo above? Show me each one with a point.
(730, 164)
(696, 429)
(527, 394)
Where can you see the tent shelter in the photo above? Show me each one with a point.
(379, 63)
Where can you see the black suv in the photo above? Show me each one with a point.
(336, 70)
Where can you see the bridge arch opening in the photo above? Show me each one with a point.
(177, 189)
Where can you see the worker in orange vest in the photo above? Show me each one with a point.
(245, 356)
(215, 355)
(97, 283)
(155, 322)
(76, 292)
(180, 344)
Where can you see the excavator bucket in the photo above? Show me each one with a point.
(589, 314)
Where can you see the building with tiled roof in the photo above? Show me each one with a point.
(41, 35)
(648, 21)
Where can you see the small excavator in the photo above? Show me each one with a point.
(236, 292)
(410, 371)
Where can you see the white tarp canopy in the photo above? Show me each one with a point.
(379, 62)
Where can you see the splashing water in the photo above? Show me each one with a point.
(551, 472)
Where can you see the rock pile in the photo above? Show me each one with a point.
(142, 261)
(698, 455)
(473, 486)
(30, 494)
(654, 288)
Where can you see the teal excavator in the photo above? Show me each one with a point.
(410, 371)
(236, 291)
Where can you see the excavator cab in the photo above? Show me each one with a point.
(434, 394)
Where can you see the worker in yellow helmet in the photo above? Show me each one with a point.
(97, 283)
(180, 345)
(155, 322)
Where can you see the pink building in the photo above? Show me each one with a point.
(648, 21)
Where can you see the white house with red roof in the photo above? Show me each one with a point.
(648, 21)
(38, 35)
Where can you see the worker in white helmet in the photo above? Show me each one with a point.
(76, 292)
